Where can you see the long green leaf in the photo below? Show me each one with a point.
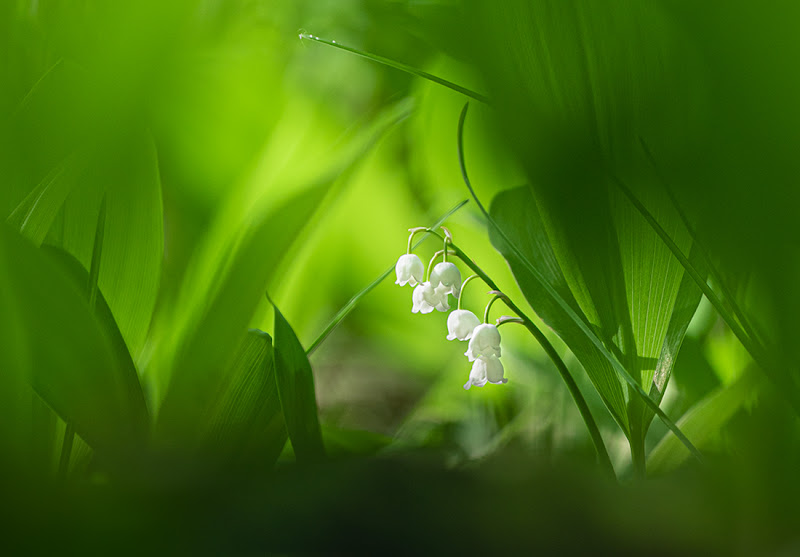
(399, 66)
(295, 381)
(565, 306)
(786, 386)
(63, 352)
(518, 211)
(133, 236)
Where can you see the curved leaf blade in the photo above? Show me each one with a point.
(518, 210)
(64, 353)
(295, 381)
(246, 421)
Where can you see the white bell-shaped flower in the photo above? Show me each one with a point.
(409, 270)
(486, 369)
(477, 376)
(460, 324)
(426, 298)
(485, 341)
(494, 369)
(446, 278)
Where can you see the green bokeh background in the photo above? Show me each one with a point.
(243, 115)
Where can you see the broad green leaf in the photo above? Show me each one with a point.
(246, 420)
(133, 239)
(703, 421)
(296, 390)
(661, 299)
(63, 211)
(79, 277)
(62, 351)
(661, 296)
(576, 86)
(518, 212)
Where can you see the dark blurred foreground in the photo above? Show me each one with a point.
(410, 503)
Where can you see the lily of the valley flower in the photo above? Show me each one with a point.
(460, 324)
(485, 341)
(446, 278)
(409, 270)
(486, 369)
(426, 298)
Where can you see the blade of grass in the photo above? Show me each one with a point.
(351, 304)
(565, 306)
(399, 66)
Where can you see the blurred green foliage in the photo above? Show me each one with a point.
(171, 170)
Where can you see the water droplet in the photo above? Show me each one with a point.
(334, 42)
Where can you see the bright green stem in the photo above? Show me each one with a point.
(463, 286)
(399, 66)
(413, 232)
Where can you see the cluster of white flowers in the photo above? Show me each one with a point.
(463, 325)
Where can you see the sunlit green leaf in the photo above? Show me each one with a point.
(519, 211)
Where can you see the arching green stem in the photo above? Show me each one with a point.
(413, 232)
(464, 285)
(552, 353)
(489, 306)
